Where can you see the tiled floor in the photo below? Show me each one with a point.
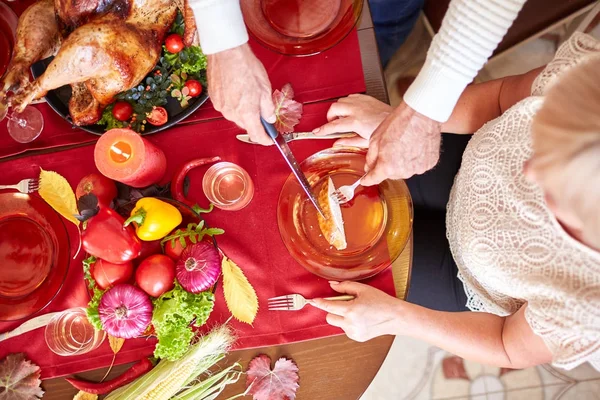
(414, 370)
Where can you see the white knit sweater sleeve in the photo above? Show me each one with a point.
(220, 24)
(470, 32)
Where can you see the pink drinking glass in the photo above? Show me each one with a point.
(228, 186)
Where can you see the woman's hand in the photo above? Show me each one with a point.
(372, 313)
(356, 113)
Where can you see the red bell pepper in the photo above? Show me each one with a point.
(106, 238)
(137, 370)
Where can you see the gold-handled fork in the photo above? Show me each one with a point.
(25, 186)
(345, 193)
(295, 302)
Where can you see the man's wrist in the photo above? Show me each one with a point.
(233, 55)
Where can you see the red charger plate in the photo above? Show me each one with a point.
(34, 255)
(300, 27)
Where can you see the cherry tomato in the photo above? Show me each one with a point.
(157, 117)
(174, 43)
(122, 110)
(156, 275)
(194, 87)
(107, 274)
(104, 188)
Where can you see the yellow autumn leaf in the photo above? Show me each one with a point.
(57, 192)
(239, 294)
(81, 395)
(115, 343)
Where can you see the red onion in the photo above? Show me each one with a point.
(198, 267)
(125, 311)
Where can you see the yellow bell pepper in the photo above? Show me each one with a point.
(153, 218)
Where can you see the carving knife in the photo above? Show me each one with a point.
(299, 136)
(284, 149)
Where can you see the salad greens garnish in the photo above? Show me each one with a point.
(109, 120)
(173, 313)
(92, 308)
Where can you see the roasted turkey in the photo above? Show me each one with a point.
(101, 48)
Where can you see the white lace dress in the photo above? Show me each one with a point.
(508, 246)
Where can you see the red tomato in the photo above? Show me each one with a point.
(158, 116)
(122, 110)
(156, 275)
(174, 249)
(107, 274)
(194, 87)
(174, 43)
(104, 188)
(149, 249)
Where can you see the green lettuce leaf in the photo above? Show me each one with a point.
(92, 308)
(190, 60)
(173, 314)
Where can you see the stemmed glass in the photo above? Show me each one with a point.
(24, 127)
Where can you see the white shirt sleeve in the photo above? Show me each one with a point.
(470, 32)
(220, 24)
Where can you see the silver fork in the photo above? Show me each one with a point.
(25, 186)
(345, 193)
(294, 302)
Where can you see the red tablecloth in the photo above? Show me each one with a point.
(252, 240)
(334, 73)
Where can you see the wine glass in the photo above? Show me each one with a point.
(24, 127)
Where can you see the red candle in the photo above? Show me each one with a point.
(125, 156)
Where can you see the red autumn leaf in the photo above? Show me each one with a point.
(280, 383)
(287, 110)
(19, 379)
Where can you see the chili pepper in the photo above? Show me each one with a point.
(138, 369)
(179, 177)
(154, 219)
(105, 237)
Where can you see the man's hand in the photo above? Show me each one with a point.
(372, 313)
(405, 144)
(240, 89)
(356, 113)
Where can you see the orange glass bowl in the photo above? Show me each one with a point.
(378, 221)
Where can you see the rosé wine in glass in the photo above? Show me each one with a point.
(228, 186)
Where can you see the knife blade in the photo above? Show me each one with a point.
(299, 136)
(284, 149)
(34, 323)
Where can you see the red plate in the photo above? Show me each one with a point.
(300, 27)
(34, 255)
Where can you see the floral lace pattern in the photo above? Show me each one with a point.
(508, 246)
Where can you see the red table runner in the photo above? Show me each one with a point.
(334, 73)
(251, 239)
